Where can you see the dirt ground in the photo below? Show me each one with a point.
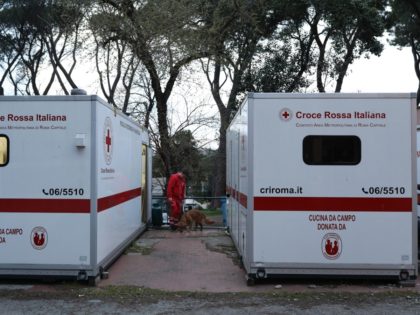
(198, 272)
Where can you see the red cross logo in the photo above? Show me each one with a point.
(286, 114)
(108, 140)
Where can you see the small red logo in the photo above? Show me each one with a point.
(39, 237)
(331, 246)
(286, 114)
(108, 141)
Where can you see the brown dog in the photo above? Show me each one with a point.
(193, 216)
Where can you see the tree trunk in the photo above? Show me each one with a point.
(416, 56)
(348, 59)
(225, 114)
(220, 182)
(220, 171)
(305, 57)
(320, 69)
(418, 96)
(164, 150)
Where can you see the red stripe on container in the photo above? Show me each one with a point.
(240, 197)
(114, 200)
(332, 204)
(45, 205)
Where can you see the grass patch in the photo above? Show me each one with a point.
(211, 212)
(135, 294)
(137, 248)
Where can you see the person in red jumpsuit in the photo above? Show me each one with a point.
(175, 194)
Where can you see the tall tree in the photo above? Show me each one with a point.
(188, 158)
(405, 25)
(44, 36)
(19, 33)
(236, 29)
(164, 35)
(285, 63)
(116, 66)
(123, 80)
(344, 31)
(9, 59)
(62, 24)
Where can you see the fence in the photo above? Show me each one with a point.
(212, 207)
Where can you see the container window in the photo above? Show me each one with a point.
(4, 150)
(332, 150)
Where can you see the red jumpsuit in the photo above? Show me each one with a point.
(175, 193)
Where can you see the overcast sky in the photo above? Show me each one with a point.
(393, 71)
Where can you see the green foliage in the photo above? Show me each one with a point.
(343, 32)
(161, 32)
(278, 69)
(185, 153)
(40, 17)
(404, 22)
(196, 164)
(37, 35)
(361, 20)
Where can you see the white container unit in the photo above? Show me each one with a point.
(74, 189)
(324, 184)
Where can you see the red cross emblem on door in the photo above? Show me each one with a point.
(286, 114)
(108, 141)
